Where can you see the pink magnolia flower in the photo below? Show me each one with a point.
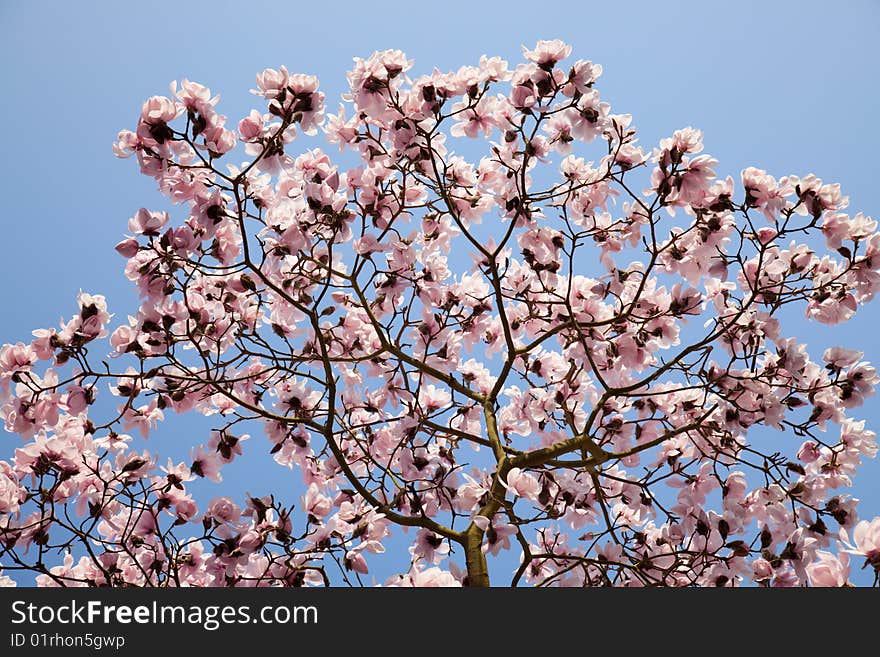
(433, 578)
(316, 503)
(11, 492)
(696, 178)
(429, 546)
(808, 452)
(865, 540)
(829, 570)
(93, 316)
(831, 309)
(126, 144)
(182, 505)
(684, 141)
(522, 484)
(227, 445)
(16, 357)
(159, 109)
(145, 222)
(859, 383)
(841, 358)
(341, 130)
(177, 473)
(194, 96)
(127, 247)
(497, 534)
(223, 510)
(271, 83)
(144, 418)
(423, 577)
(218, 139)
(307, 103)
(153, 128)
(582, 76)
(763, 192)
(251, 126)
(135, 466)
(78, 399)
(354, 560)
(547, 53)
(432, 398)
(207, 463)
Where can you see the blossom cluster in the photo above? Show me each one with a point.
(515, 352)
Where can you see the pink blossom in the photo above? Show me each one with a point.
(865, 540)
(207, 464)
(218, 139)
(227, 445)
(251, 126)
(78, 399)
(841, 358)
(223, 510)
(11, 492)
(144, 418)
(316, 503)
(547, 53)
(308, 102)
(832, 309)
(271, 83)
(16, 357)
(582, 76)
(684, 141)
(808, 452)
(194, 96)
(433, 398)
(496, 534)
(432, 577)
(829, 570)
(855, 436)
(134, 466)
(147, 223)
(177, 473)
(159, 109)
(181, 504)
(127, 247)
(430, 547)
(522, 484)
(354, 560)
(763, 192)
(126, 144)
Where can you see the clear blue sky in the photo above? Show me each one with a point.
(787, 86)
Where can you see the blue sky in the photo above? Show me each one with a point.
(786, 86)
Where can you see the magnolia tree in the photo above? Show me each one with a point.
(581, 361)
